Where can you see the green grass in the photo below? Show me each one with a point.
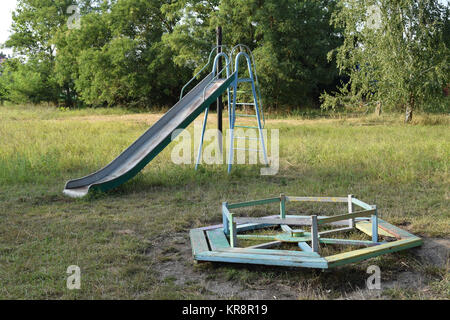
(122, 240)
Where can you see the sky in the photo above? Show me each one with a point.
(8, 6)
(6, 9)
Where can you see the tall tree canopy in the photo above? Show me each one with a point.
(139, 53)
(290, 39)
(396, 53)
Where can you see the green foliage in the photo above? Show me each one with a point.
(138, 53)
(116, 57)
(290, 40)
(32, 81)
(395, 53)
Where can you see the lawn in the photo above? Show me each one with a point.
(133, 242)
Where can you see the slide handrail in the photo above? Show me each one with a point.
(250, 53)
(216, 76)
(203, 68)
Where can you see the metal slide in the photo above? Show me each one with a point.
(153, 141)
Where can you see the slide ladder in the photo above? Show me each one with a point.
(234, 105)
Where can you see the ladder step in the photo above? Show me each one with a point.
(245, 149)
(248, 127)
(245, 115)
(245, 104)
(246, 138)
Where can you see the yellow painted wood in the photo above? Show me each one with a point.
(366, 227)
(364, 213)
(361, 254)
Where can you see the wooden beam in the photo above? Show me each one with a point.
(366, 227)
(335, 230)
(366, 253)
(317, 199)
(348, 242)
(265, 245)
(217, 239)
(393, 230)
(361, 204)
(314, 234)
(289, 261)
(198, 241)
(253, 203)
(233, 231)
(276, 221)
(286, 228)
(304, 246)
(364, 213)
(257, 237)
(225, 218)
(375, 225)
(282, 206)
(351, 221)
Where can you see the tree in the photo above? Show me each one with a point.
(30, 81)
(117, 57)
(290, 39)
(394, 52)
(34, 25)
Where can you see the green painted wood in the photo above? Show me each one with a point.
(217, 239)
(225, 210)
(256, 237)
(288, 238)
(286, 228)
(366, 253)
(265, 245)
(361, 204)
(282, 206)
(305, 247)
(314, 234)
(274, 260)
(317, 199)
(275, 221)
(365, 213)
(275, 252)
(233, 231)
(225, 218)
(348, 242)
(351, 222)
(251, 226)
(198, 241)
(252, 203)
(375, 225)
(336, 230)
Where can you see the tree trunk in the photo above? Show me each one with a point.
(378, 109)
(409, 109)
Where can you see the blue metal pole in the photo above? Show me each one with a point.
(199, 155)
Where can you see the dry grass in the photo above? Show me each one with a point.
(118, 239)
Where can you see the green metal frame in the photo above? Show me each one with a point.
(219, 243)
